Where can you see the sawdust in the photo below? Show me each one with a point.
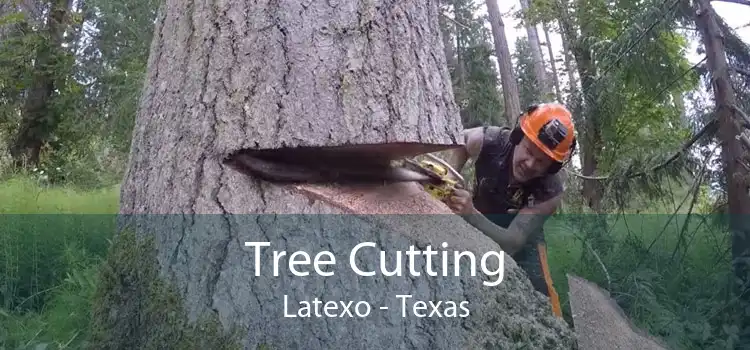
(600, 323)
(405, 198)
(391, 202)
(508, 316)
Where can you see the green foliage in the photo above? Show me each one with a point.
(637, 68)
(483, 105)
(134, 308)
(33, 257)
(669, 273)
(97, 86)
(17, 51)
(671, 277)
(56, 271)
(117, 63)
(475, 80)
(48, 262)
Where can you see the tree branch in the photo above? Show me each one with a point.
(706, 129)
(745, 118)
(741, 71)
(453, 20)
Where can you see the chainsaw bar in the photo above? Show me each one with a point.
(351, 171)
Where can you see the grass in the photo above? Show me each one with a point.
(48, 261)
(22, 195)
(675, 288)
(48, 265)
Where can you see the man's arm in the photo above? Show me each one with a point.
(473, 139)
(508, 241)
(528, 220)
(531, 219)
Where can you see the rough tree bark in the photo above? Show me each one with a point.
(502, 52)
(229, 76)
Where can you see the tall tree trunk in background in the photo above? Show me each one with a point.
(536, 55)
(586, 110)
(460, 64)
(569, 68)
(38, 120)
(553, 64)
(590, 139)
(733, 153)
(590, 135)
(448, 45)
(235, 76)
(510, 85)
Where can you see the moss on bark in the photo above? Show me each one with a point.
(135, 308)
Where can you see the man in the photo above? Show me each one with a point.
(516, 173)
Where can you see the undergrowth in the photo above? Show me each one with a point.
(49, 266)
(49, 262)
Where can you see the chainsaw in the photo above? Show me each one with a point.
(440, 172)
(304, 165)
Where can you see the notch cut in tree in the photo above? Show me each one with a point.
(230, 78)
(287, 75)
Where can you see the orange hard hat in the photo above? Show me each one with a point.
(550, 127)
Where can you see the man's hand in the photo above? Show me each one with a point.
(460, 202)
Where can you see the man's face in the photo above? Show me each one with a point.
(529, 161)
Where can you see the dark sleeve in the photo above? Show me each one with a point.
(549, 186)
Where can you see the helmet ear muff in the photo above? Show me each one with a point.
(516, 135)
(556, 166)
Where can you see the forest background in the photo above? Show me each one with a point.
(635, 72)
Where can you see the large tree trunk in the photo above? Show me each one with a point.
(352, 76)
(229, 76)
(508, 80)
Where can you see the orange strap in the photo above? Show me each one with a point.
(553, 298)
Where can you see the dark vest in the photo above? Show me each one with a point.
(494, 195)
